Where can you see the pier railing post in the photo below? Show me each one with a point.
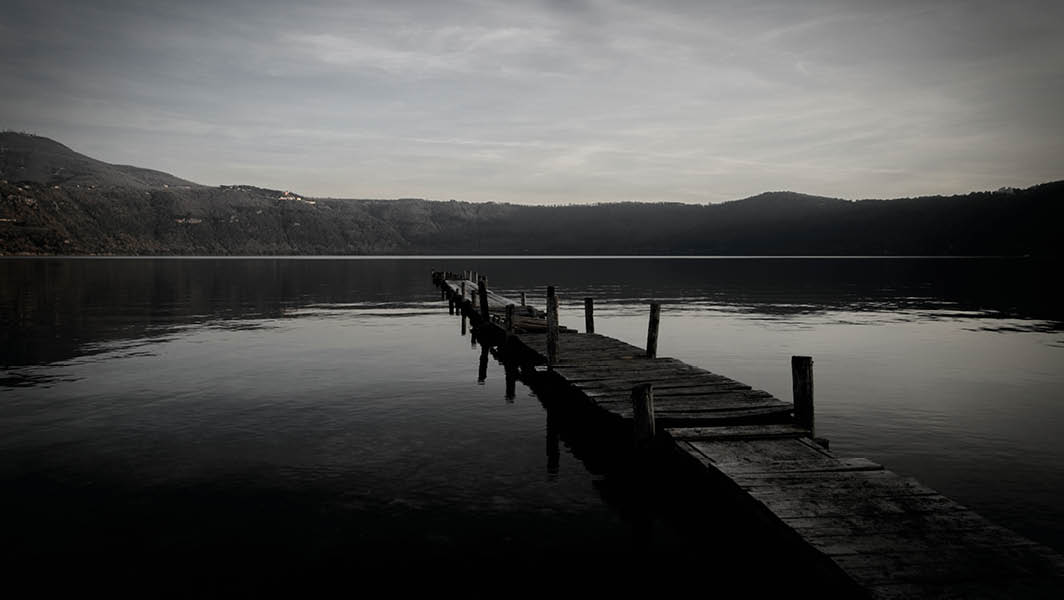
(802, 380)
(589, 315)
(643, 415)
(510, 318)
(552, 326)
(652, 330)
(484, 299)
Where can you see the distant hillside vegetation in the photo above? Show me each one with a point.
(56, 201)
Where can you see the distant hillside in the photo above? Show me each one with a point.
(31, 158)
(56, 201)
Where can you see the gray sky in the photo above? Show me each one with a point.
(549, 101)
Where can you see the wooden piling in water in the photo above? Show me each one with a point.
(589, 315)
(802, 385)
(522, 299)
(552, 326)
(482, 365)
(643, 415)
(510, 370)
(652, 330)
(484, 312)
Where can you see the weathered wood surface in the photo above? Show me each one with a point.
(889, 535)
(496, 302)
(605, 370)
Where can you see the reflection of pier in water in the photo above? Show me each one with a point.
(858, 525)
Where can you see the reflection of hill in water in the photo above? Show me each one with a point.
(54, 309)
(1014, 288)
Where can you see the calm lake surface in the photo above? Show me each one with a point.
(256, 420)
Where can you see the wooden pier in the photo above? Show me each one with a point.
(872, 532)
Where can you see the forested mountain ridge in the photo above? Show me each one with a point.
(56, 201)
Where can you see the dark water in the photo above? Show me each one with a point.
(227, 425)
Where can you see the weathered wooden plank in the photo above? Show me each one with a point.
(731, 416)
(752, 452)
(737, 432)
(672, 405)
(885, 542)
(682, 385)
(920, 523)
(616, 379)
(946, 565)
(883, 506)
(1028, 588)
(826, 486)
(598, 373)
(597, 362)
(686, 385)
(702, 402)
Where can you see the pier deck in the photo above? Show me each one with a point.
(880, 534)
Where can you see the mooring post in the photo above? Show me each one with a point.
(552, 326)
(510, 369)
(510, 308)
(484, 299)
(589, 315)
(522, 298)
(652, 330)
(643, 415)
(802, 380)
(482, 366)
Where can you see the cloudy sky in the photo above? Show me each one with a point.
(549, 101)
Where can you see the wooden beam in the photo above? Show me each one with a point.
(652, 330)
(802, 383)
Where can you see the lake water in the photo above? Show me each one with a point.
(225, 423)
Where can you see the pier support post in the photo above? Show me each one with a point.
(482, 366)
(510, 318)
(589, 315)
(552, 326)
(510, 370)
(484, 299)
(652, 330)
(802, 381)
(643, 415)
